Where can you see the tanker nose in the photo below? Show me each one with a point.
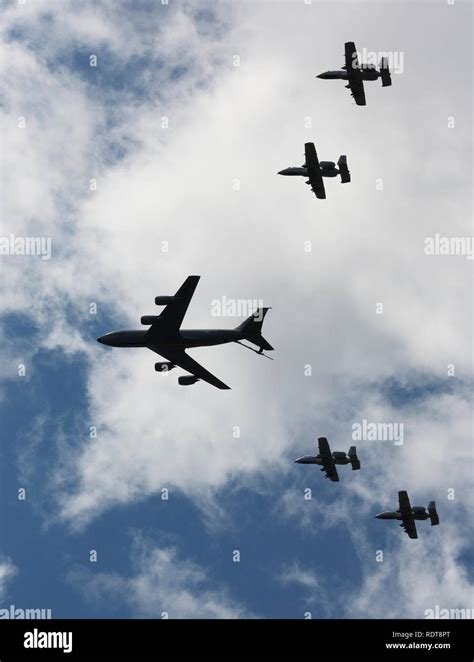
(299, 460)
(283, 172)
(323, 75)
(103, 340)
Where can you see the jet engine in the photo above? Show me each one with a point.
(164, 366)
(327, 165)
(163, 301)
(339, 455)
(147, 319)
(419, 510)
(187, 380)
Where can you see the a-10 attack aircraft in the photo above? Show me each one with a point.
(315, 170)
(328, 460)
(166, 338)
(408, 515)
(356, 73)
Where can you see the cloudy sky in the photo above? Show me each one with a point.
(143, 139)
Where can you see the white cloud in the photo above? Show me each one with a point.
(162, 585)
(7, 571)
(294, 574)
(411, 580)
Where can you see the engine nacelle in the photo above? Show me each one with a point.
(327, 165)
(339, 455)
(164, 366)
(163, 301)
(187, 380)
(418, 509)
(148, 319)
